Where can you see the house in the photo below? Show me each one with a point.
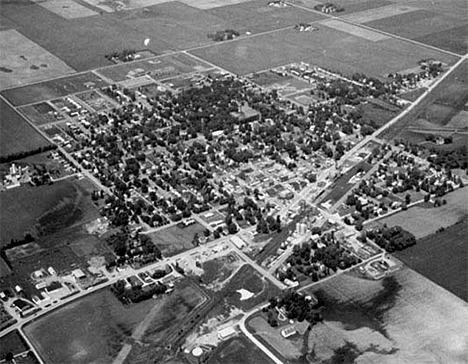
(288, 331)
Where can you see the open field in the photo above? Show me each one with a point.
(326, 47)
(174, 239)
(67, 9)
(257, 16)
(23, 61)
(16, 135)
(42, 209)
(238, 350)
(91, 329)
(442, 257)
(53, 89)
(349, 6)
(161, 67)
(12, 343)
(425, 221)
(404, 318)
(378, 13)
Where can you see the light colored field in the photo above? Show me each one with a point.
(353, 30)
(425, 221)
(423, 324)
(210, 4)
(22, 61)
(67, 9)
(111, 6)
(460, 120)
(379, 13)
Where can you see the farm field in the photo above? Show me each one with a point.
(160, 67)
(349, 6)
(91, 329)
(257, 16)
(238, 350)
(36, 205)
(402, 318)
(425, 221)
(327, 47)
(16, 135)
(174, 239)
(442, 257)
(53, 89)
(25, 62)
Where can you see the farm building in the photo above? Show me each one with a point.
(288, 331)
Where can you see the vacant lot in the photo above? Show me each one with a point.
(425, 221)
(175, 239)
(238, 350)
(403, 318)
(442, 257)
(16, 135)
(53, 89)
(42, 209)
(326, 47)
(92, 329)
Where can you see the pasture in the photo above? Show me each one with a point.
(404, 317)
(16, 135)
(238, 350)
(442, 257)
(422, 221)
(53, 89)
(92, 329)
(174, 239)
(327, 47)
(23, 61)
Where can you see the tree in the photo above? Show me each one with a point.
(232, 228)
(408, 199)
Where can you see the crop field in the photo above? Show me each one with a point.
(67, 9)
(158, 68)
(442, 257)
(349, 6)
(326, 47)
(91, 329)
(16, 135)
(257, 16)
(53, 89)
(425, 221)
(378, 13)
(431, 26)
(25, 62)
(174, 239)
(238, 350)
(402, 318)
(82, 43)
(38, 205)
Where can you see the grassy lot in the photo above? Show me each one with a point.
(12, 343)
(238, 350)
(175, 239)
(218, 270)
(44, 209)
(425, 221)
(16, 135)
(377, 114)
(257, 16)
(327, 47)
(53, 89)
(442, 257)
(249, 279)
(92, 329)
(402, 316)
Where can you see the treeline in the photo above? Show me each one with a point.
(391, 238)
(20, 155)
(136, 294)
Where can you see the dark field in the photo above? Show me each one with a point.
(326, 47)
(443, 258)
(92, 329)
(238, 350)
(52, 89)
(12, 343)
(16, 135)
(43, 209)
